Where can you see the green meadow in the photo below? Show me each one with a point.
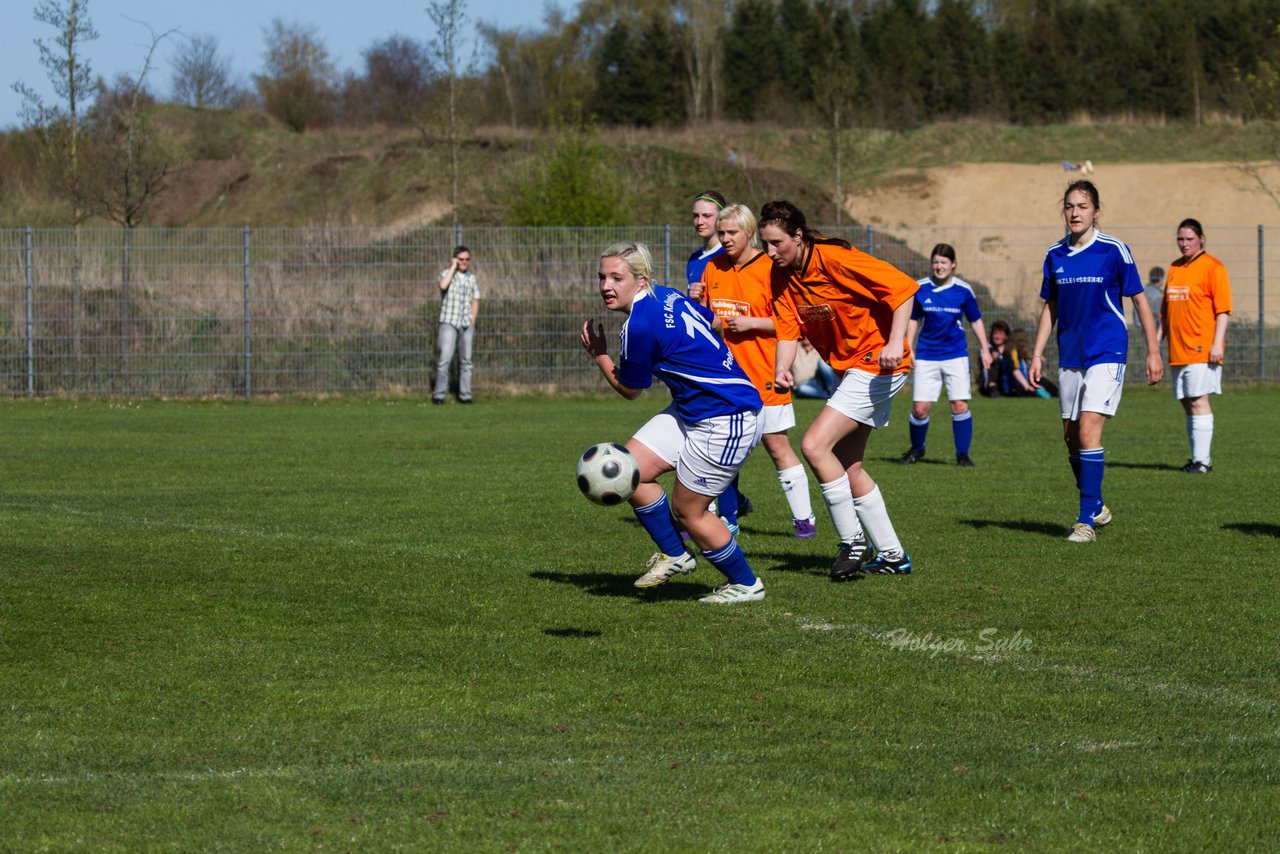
(368, 623)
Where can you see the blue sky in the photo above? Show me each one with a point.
(346, 28)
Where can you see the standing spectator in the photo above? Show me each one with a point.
(1085, 275)
(1154, 289)
(459, 305)
(1195, 310)
(942, 304)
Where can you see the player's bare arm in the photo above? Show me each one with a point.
(895, 347)
(593, 341)
(1048, 316)
(1155, 365)
(784, 358)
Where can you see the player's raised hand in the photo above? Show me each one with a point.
(593, 340)
(695, 291)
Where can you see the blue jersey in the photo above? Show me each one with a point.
(669, 336)
(940, 309)
(698, 262)
(1088, 284)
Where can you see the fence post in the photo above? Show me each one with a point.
(871, 240)
(30, 298)
(666, 255)
(1262, 314)
(248, 373)
(457, 235)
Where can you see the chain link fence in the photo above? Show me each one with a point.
(261, 311)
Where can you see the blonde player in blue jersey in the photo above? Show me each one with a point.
(706, 433)
(942, 304)
(1086, 274)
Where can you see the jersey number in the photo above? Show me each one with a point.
(696, 324)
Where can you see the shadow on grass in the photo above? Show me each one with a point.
(1048, 529)
(1147, 466)
(615, 584)
(1255, 529)
(788, 562)
(573, 633)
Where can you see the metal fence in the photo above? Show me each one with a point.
(248, 311)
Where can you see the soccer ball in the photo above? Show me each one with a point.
(607, 473)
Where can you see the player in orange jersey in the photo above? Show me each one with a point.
(735, 286)
(1194, 314)
(854, 309)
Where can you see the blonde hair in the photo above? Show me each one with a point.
(637, 258)
(743, 218)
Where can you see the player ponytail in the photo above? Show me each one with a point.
(637, 258)
(786, 216)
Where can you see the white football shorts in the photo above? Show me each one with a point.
(1196, 380)
(1096, 389)
(929, 376)
(866, 397)
(778, 419)
(705, 454)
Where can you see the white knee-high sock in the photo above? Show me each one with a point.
(839, 499)
(875, 520)
(1200, 432)
(795, 486)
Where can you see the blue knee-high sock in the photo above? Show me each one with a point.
(1074, 459)
(730, 560)
(962, 430)
(656, 519)
(1092, 468)
(728, 502)
(919, 431)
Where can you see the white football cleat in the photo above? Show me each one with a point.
(662, 567)
(1082, 533)
(733, 593)
(1102, 517)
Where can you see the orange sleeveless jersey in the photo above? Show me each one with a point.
(843, 302)
(744, 291)
(1197, 291)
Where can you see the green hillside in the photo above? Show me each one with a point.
(232, 168)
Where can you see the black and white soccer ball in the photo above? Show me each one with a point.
(608, 474)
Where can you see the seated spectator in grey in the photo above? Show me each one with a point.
(813, 377)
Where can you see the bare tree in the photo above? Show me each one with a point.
(395, 84)
(705, 20)
(57, 126)
(298, 86)
(450, 19)
(201, 75)
(130, 164)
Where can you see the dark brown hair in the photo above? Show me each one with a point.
(946, 250)
(1194, 225)
(786, 216)
(1086, 187)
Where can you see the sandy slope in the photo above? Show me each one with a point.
(1001, 216)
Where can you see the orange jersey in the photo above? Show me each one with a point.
(843, 302)
(1196, 293)
(731, 291)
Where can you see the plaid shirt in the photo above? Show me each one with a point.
(455, 301)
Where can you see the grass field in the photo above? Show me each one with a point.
(370, 624)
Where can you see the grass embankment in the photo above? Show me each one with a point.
(242, 168)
